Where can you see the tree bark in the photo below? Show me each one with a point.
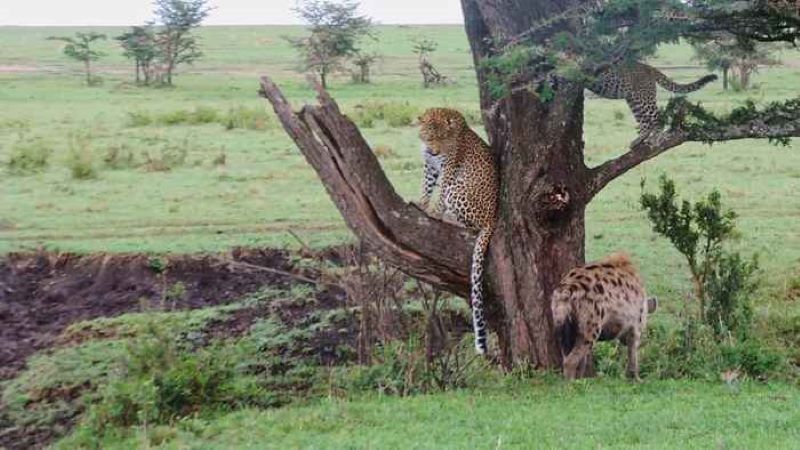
(540, 234)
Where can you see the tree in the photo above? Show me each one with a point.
(536, 130)
(139, 44)
(430, 76)
(177, 19)
(336, 31)
(730, 57)
(80, 48)
(363, 64)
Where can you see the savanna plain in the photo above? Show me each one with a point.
(242, 325)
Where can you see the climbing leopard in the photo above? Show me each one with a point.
(636, 83)
(603, 300)
(463, 163)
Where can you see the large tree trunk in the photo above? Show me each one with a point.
(543, 195)
(540, 234)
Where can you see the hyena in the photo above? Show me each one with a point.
(603, 300)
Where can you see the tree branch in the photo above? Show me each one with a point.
(400, 233)
(691, 123)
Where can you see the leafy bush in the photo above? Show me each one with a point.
(729, 287)
(394, 114)
(723, 282)
(139, 119)
(247, 118)
(28, 156)
(80, 159)
(118, 156)
(170, 156)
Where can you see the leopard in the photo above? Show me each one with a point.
(636, 83)
(600, 301)
(463, 165)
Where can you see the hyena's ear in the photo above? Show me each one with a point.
(652, 305)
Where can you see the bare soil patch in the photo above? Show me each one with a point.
(43, 293)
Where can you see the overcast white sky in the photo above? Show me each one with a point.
(227, 12)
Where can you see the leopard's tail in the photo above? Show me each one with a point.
(679, 88)
(476, 289)
(563, 320)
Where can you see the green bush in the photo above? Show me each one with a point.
(729, 288)
(80, 160)
(28, 156)
(394, 114)
(139, 119)
(723, 282)
(247, 118)
(118, 157)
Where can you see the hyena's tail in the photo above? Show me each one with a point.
(652, 304)
(563, 321)
(476, 289)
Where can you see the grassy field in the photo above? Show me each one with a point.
(204, 167)
(264, 188)
(607, 414)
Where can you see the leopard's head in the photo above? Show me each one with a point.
(440, 125)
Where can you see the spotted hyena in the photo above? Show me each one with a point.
(603, 300)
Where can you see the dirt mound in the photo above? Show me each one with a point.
(43, 293)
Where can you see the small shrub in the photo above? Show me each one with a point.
(170, 156)
(220, 159)
(619, 115)
(28, 156)
(399, 114)
(383, 151)
(246, 118)
(118, 157)
(139, 119)
(80, 159)
(730, 287)
(175, 117)
(204, 114)
(392, 113)
(723, 282)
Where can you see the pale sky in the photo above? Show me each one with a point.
(227, 12)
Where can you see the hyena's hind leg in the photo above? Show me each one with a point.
(633, 340)
(588, 330)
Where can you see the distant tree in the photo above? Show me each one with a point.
(736, 61)
(80, 48)
(363, 64)
(176, 20)
(139, 44)
(336, 30)
(424, 48)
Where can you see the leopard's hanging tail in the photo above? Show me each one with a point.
(678, 88)
(476, 289)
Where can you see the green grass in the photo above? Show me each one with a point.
(265, 188)
(595, 414)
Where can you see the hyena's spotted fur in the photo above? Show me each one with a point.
(603, 300)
